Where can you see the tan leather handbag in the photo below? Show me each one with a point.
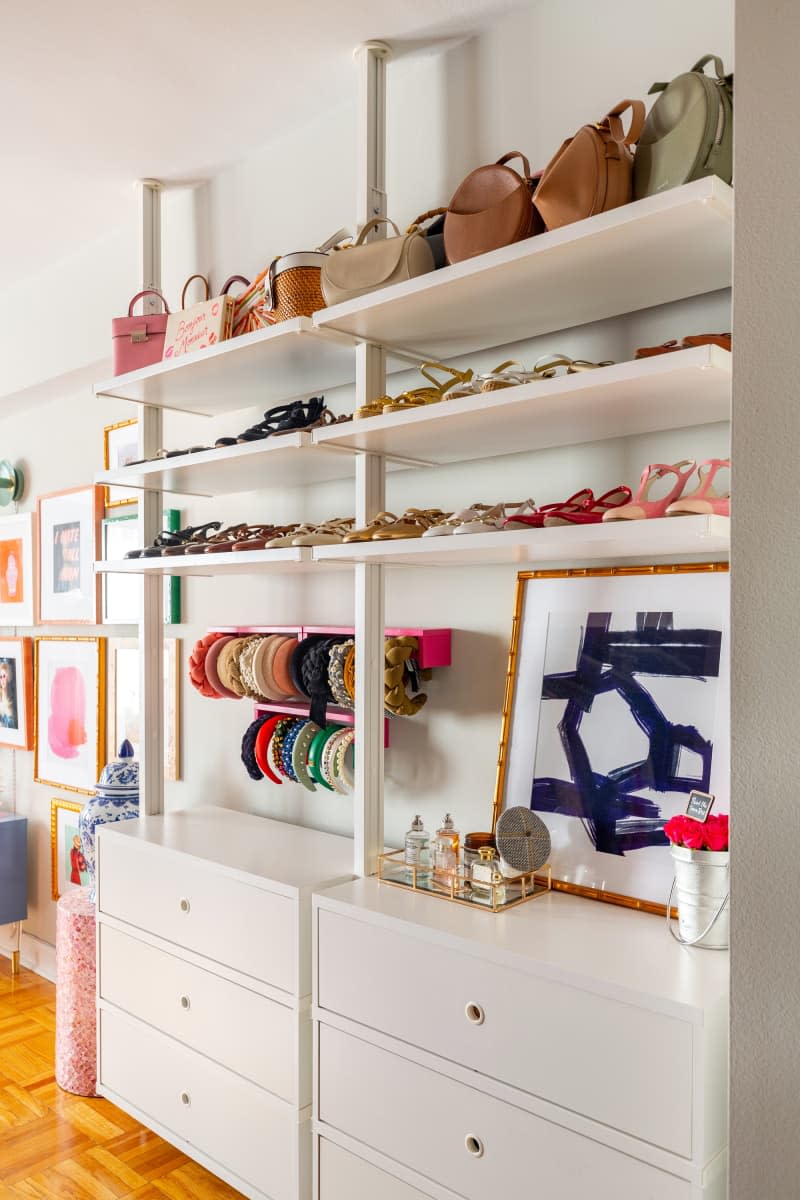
(490, 208)
(593, 171)
(365, 267)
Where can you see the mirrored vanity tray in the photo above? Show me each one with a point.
(456, 886)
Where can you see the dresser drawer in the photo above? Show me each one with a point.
(245, 1129)
(554, 1041)
(239, 1029)
(188, 902)
(344, 1176)
(465, 1140)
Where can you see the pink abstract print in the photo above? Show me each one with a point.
(66, 724)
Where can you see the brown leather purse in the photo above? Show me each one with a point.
(593, 171)
(490, 208)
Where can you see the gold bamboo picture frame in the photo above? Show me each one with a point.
(581, 756)
(67, 864)
(69, 706)
(120, 447)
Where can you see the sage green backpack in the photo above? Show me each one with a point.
(688, 132)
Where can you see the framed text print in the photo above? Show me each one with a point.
(16, 693)
(69, 708)
(616, 711)
(69, 528)
(17, 559)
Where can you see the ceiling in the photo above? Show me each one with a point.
(95, 94)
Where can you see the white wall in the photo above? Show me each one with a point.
(765, 959)
(528, 83)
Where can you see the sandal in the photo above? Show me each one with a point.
(493, 518)
(412, 524)
(261, 540)
(174, 540)
(428, 395)
(535, 519)
(365, 535)
(284, 418)
(705, 499)
(503, 376)
(590, 513)
(221, 540)
(231, 538)
(326, 534)
(449, 525)
(642, 507)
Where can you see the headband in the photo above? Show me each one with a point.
(212, 675)
(263, 739)
(248, 748)
(300, 754)
(280, 667)
(228, 665)
(197, 665)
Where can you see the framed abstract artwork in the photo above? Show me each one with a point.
(16, 693)
(120, 447)
(17, 568)
(121, 592)
(69, 711)
(69, 529)
(616, 709)
(124, 710)
(67, 864)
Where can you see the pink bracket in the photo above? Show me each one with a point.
(338, 716)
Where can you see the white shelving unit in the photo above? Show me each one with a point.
(671, 391)
(612, 263)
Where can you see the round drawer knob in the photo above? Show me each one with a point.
(474, 1145)
(185, 905)
(186, 1099)
(474, 1013)
(186, 1003)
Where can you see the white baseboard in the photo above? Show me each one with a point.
(34, 954)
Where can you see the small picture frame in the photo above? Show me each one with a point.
(69, 532)
(121, 592)
(67, 863)
(69, 711)
(17, 568)
(16, 693)
(120, 447)
(124, 709)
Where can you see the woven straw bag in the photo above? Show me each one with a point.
(292, 285)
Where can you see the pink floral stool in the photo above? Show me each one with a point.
(76, 1014)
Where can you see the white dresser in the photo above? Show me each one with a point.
(566, 1048)
(204, 981)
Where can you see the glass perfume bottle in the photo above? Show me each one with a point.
(418, 852)
(445, 851)
(487, 882)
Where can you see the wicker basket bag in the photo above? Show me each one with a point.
(292, 285)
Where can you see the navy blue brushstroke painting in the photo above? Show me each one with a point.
(615, 817)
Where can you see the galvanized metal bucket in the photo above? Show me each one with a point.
(703, 893)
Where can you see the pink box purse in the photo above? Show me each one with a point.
(138, 341)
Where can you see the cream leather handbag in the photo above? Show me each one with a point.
(363, 268)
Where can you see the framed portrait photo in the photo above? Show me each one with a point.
(69, 711)
(17, 568)
(69, 529)
(616, 711)
(124, 709)
(67, 864)
(120, 447)
(121, 592)
(16, 693)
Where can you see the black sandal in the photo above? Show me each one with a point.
(284, 418)
(170, 539)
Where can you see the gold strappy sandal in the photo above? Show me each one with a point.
(432, 394)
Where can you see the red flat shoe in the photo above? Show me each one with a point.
(535, 520)
(591, 514)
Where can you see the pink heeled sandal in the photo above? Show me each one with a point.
(641, 507)
(590, 513)
(706, 499)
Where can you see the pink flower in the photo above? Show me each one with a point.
(676, 828)
(715, 832)
(694, 835)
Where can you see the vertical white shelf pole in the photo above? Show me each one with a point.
(150, 522)
(371, 59)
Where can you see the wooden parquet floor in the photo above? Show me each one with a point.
(55, 1146)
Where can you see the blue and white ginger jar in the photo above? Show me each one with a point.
(116, 798)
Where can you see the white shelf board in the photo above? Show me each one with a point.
(288, 361)
(663, 248)
(291, 460)
(563, 545)
(249, 562)
(670, 391)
